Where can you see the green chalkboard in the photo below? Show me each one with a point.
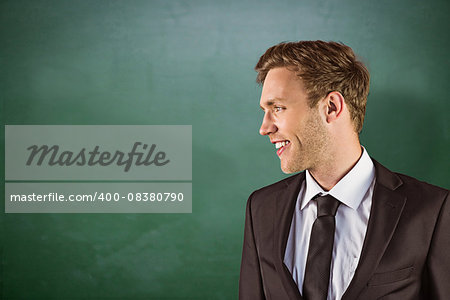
(191, 63)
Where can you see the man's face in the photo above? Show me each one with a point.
(295, 129)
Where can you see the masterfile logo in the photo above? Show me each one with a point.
(52, 156)
(107, 152)
(98, 169)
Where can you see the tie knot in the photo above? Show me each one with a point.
(327, 205)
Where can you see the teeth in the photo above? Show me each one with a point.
(281, 144)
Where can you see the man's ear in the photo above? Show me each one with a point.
(335, 104)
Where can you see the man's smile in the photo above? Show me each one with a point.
(281, 146)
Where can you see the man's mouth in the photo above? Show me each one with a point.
(281, 146)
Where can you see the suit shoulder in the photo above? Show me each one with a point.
(408, 185)
(422, 196)
(422, 188)
(277, 186)
(265, 196)
(262, 202)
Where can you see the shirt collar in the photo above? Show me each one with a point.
(351, 189)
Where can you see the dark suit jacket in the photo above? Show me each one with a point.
(405, 255)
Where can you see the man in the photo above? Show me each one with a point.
(346, 227)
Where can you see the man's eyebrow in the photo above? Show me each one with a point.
(270, 102)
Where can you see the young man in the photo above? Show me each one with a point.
(346, 227)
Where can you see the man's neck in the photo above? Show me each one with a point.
(338, 164)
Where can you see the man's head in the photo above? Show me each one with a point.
(323, 67)
(314, 96)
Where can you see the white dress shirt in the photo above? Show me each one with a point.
(354, 191)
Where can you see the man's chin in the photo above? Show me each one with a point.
(290, 169)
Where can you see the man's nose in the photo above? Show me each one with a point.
(267, 126)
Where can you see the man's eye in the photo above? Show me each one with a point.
(278, 109)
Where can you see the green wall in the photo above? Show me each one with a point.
(191, 62)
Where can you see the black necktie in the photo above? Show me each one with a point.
(317, 272)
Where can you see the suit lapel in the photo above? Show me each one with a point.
(284, 210)
(387, 206)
